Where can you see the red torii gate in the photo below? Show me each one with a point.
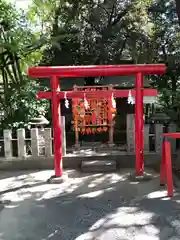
(54, 73)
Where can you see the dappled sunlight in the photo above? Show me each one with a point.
(121, 224)
(166, 199)
(97, 181)
(51, 193)
(25, 186)
(92, 194)
(157, 194)
(129, 210)
(145, 236)
(10, 206)
(41, 175)
(87, 206)
(10, 183)
(16, 196)
(83, 185)
(95, 193)
(129, 218)
(24, 179)
(105, 179)
(133, 183)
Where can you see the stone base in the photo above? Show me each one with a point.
(142, 178)
(111, 145)
(77, 146)
(56, 180)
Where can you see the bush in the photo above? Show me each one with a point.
(21, 105)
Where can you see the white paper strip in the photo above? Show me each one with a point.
(146, 99)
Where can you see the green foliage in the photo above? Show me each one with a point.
(25, 105)
(75, 32)
(20, 48)
(165, 47)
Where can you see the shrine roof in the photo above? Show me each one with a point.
(124, 81)
(116, 81)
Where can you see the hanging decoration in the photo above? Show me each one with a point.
(86, 104)
(146, 99)
(130, 98)
(113, 101)
(66, 100)
(113, 109)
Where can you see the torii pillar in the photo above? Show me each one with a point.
(56, 111)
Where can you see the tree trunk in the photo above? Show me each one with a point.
(178, 9)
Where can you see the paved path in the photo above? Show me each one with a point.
(86, 207)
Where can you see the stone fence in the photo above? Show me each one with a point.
(41, 141)
(152, 135)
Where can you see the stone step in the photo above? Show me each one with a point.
(98, 166)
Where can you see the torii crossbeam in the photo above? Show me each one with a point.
(54, 73)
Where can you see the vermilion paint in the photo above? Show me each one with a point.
(98, 94)
(86, 71)
(101, 70)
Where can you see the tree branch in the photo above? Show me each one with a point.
(178, 10)
(111, 14)
(121, 15)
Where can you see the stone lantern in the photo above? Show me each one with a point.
(159, 117)
(40, 122)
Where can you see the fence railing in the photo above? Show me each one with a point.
(40, 141)
(153, 135)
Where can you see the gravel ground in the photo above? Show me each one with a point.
(86, 207)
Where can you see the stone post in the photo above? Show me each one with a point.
(63, 124)
(130, 133)
(48, 142)
(8, 143)
(146, 137)
(34, 142)
(21, 143)
(158, 137)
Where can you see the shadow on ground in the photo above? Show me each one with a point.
(87, 207)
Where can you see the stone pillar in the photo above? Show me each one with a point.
(21, 143)
(63, 124)
(34, 142)
(158, 137)
(172, 128)
(8, 144)
(48, 142)
(41, 141)
(146, 138)
(130, 133)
